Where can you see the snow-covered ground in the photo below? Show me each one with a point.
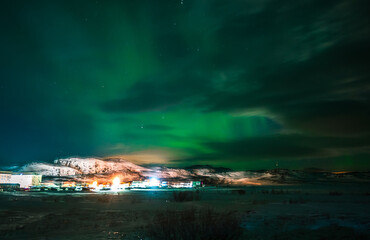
(318, 211)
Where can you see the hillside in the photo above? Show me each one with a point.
(86, 168)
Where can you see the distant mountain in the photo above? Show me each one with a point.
(100, 166)
(287, 176)
(50, 169)
(216, 169)
(104, 169)
(10, 168)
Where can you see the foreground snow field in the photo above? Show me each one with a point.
(303, 211)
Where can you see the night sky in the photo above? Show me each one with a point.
(240, 84)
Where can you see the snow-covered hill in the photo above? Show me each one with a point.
(99, 166)
(49, 169)
(84, 168)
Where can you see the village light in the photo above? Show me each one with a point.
(154, 182)
(116, 183)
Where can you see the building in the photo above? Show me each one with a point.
(182, 185)
(26, 180)
(5, 181)
(196, 184)
(139, 184)
(5, 177)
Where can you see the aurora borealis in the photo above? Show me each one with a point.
(239, 84)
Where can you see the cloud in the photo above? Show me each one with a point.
(306, 71)
(159, 94)
(157, 127)
(315, 91)
(280, 147)
(275, 147)
(152, 156)
(237, 80)
(327, 91)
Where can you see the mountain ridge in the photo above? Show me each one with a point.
(104, 168)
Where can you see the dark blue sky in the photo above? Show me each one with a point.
(240, 84)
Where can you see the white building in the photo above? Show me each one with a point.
(182, 185)
(26, 180)
(5, 176)
(139, 184)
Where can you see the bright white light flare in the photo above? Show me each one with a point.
(154, 182)
(116, 183)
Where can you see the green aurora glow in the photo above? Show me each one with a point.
(240, 84)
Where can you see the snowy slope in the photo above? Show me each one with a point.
(95, 165)
(79, 167)
(50, 169)
(104, 168)
(163, 172)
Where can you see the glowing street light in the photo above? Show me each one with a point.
(154, 182)
(116, 183)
